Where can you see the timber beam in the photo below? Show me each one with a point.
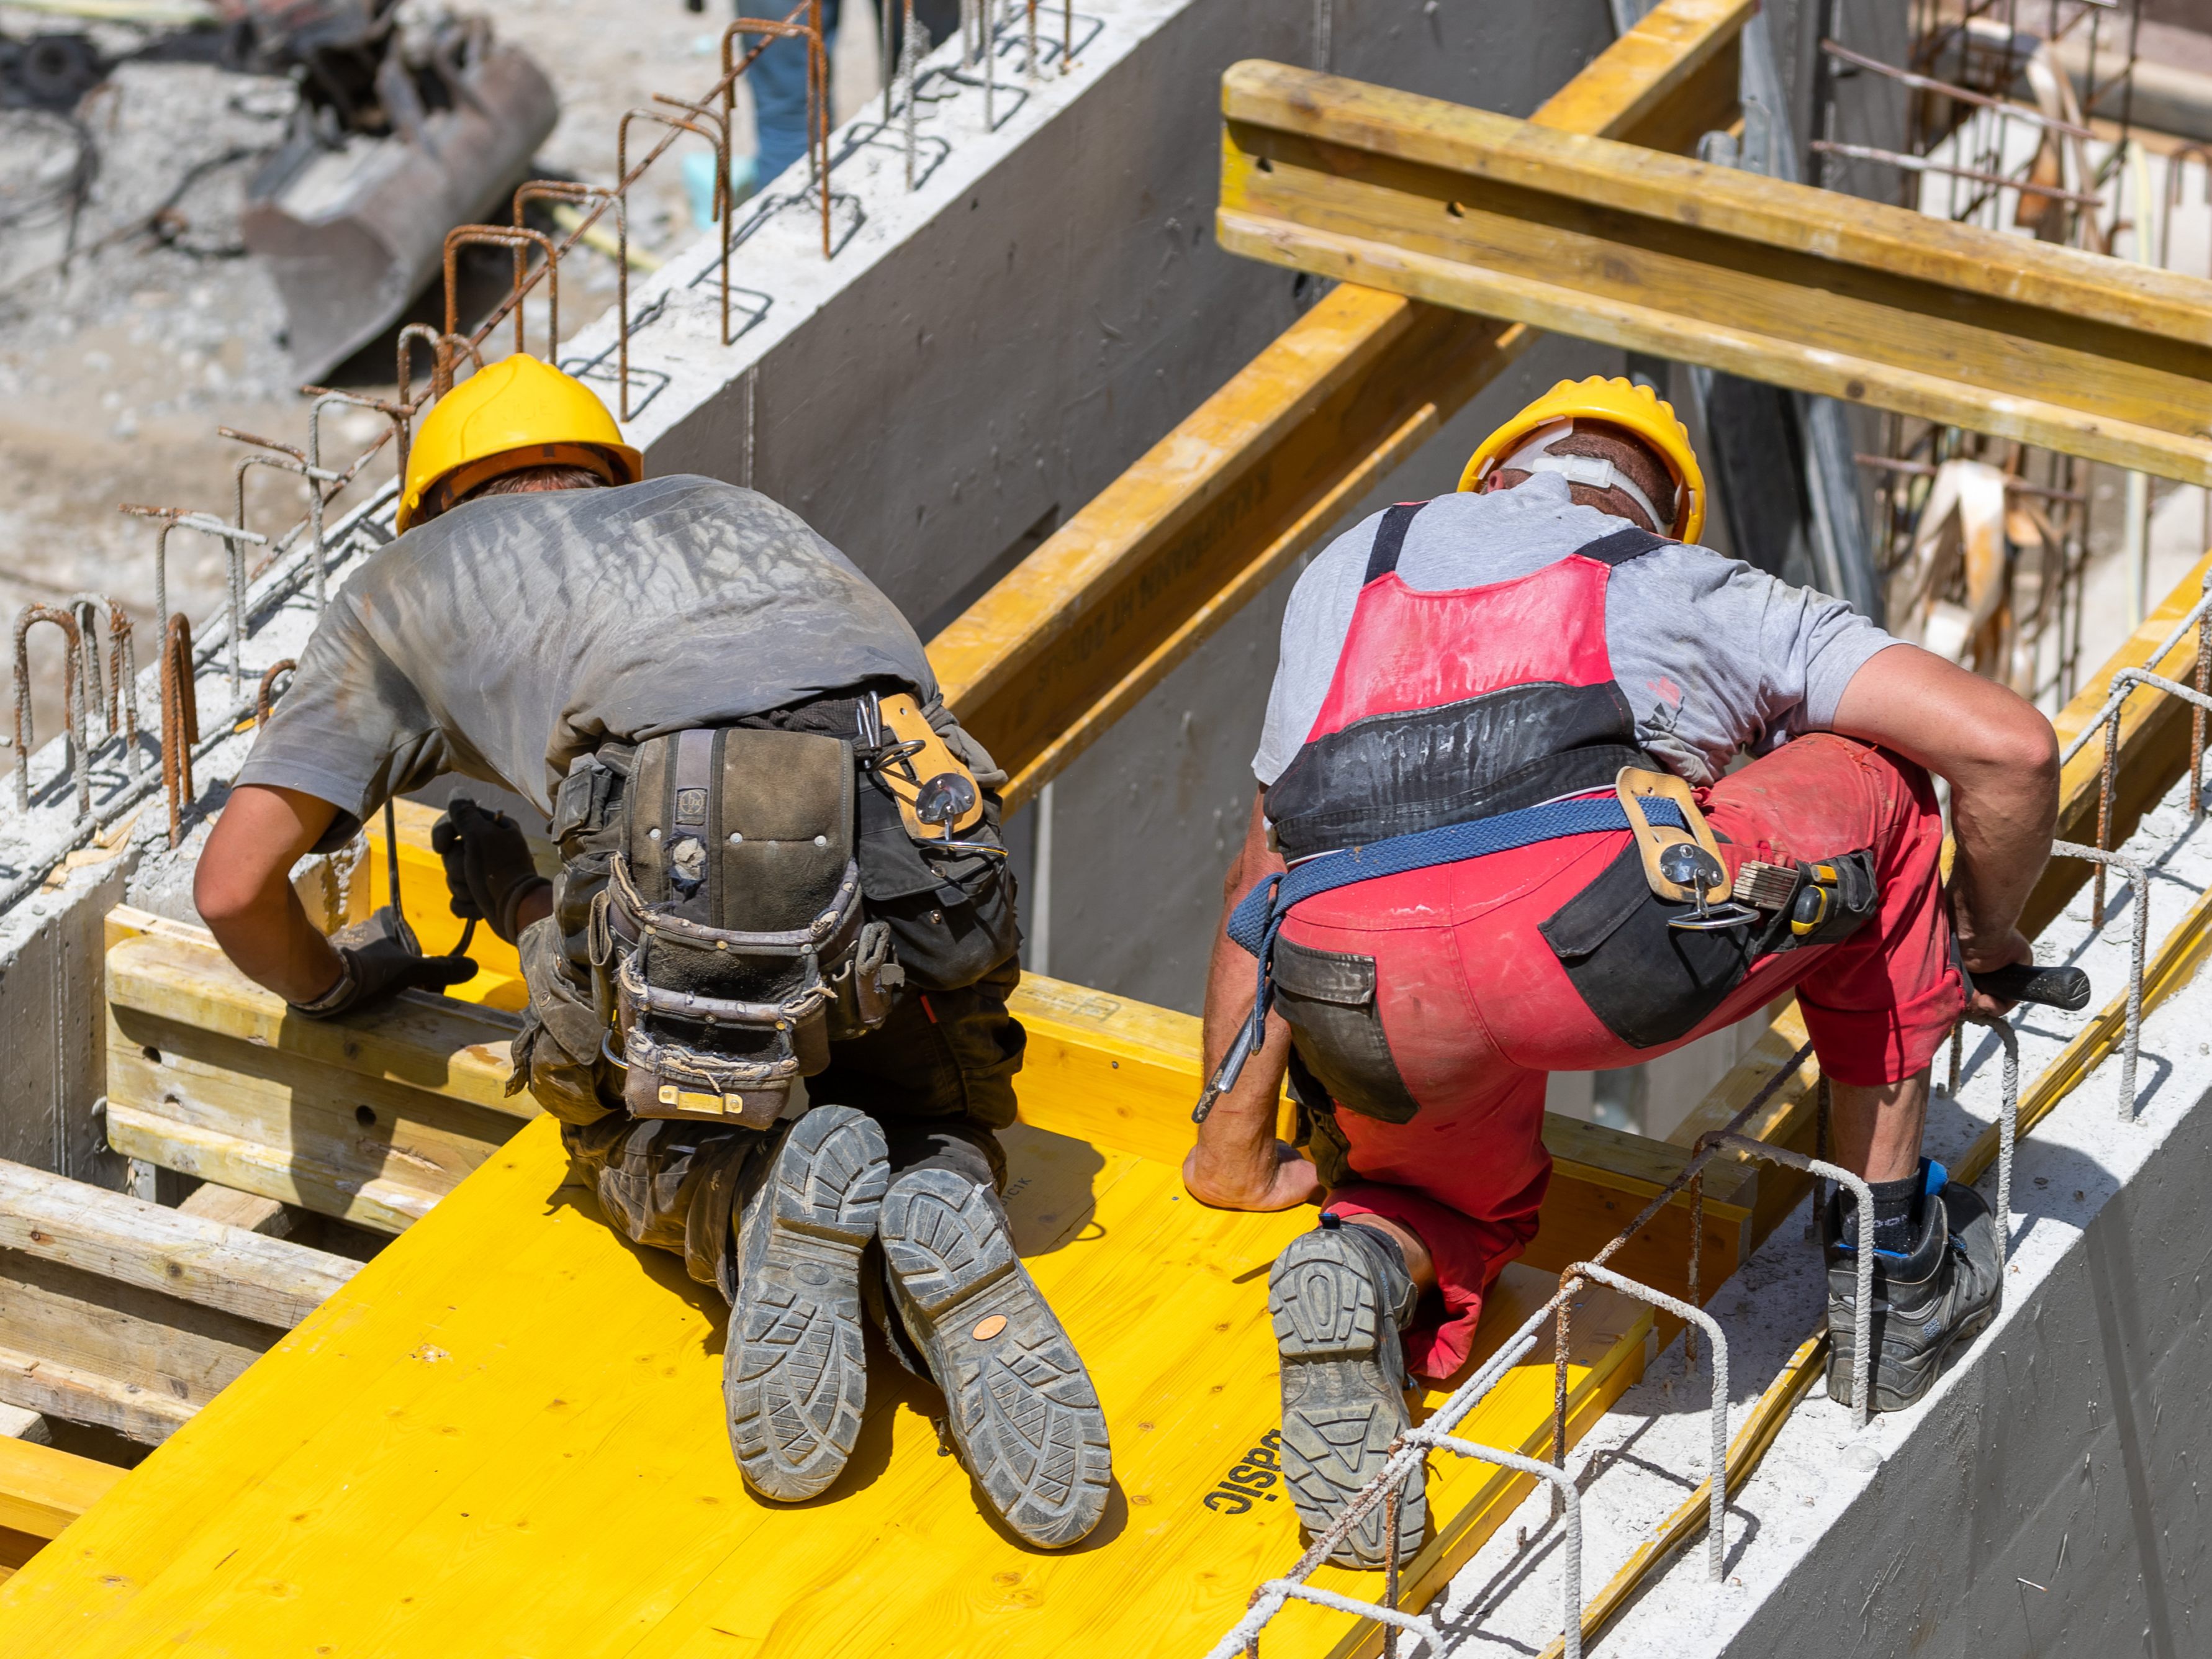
(131, 1316)
(1075, 636)
(1781, 283)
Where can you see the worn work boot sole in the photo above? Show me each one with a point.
(1344, 1392)
(794, 1367)
(1021, 1409)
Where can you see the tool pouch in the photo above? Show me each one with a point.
(728, 947)
(1834, 898)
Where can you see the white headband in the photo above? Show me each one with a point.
(1535, 456)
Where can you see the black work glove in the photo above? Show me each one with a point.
(381, 959)
(488, 865)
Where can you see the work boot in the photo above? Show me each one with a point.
(795, 1368)
(1024, 1416)
(1339, 1297)
(1937, 1294)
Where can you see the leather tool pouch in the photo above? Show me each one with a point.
(729, 946)
(1328, 999)
(1650, 983)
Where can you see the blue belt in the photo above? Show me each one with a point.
(1258, 917)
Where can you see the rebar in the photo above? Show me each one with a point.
(264, 699)
(2007, 1132)
(519, 240)
(180, 721)
(1693, 1318)
(1862, 1306)
(119, 698)
(2138, 876)
(79, 757)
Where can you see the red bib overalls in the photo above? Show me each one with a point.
(1427, 1008)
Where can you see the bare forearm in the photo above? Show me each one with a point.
(2001, 759)
(244, 890)
(274, 944)
(2002, 827)
(1238, 1162)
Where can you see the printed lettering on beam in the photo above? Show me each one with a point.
(1247, 1482)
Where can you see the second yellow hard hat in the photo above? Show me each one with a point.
(514, 413)
(1619, 403)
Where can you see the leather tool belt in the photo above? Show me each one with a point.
(729, 947)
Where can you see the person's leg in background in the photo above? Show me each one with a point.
(778, 77)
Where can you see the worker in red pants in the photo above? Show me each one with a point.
(1497, 837)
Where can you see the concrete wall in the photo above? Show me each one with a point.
(2073, 1456)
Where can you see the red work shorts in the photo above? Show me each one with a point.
(1439, 999)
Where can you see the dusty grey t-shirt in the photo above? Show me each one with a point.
(509, 636)
(1713, 655)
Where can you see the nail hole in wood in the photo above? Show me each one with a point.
(364, 1116)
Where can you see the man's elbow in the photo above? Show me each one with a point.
(2018, 747)
(222, 900)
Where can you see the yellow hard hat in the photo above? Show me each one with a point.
(514, 413)
(1617, 402)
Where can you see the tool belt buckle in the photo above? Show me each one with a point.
(1682, 867)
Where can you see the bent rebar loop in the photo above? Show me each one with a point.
(80, 759)
(520, 241)
(817, 87)
(118, 699)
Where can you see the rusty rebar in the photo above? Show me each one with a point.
(264, 699)
(818, 92)
(181, 721)
(519, 240)
(79, 758)
(118, 698)
(2174, 158)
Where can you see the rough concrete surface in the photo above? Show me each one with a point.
(2044, 1498)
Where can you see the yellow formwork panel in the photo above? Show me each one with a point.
(428, 906)
(505, 1436)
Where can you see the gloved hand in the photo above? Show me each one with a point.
(381, 959)
(487, 865)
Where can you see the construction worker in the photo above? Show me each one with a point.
(1483, 694)
(768, 988)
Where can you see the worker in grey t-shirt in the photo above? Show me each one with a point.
(767, 991)
(1498, 836)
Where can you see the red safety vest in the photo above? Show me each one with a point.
(1452, 706)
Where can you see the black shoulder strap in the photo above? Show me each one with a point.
(1621, 546)
(1390, 537)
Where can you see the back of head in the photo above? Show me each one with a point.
(514, 419)
(1617, 445)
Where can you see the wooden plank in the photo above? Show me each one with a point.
(1709, 264)
(1083, 628)
(148, 1415)
(427, 1042)
(183, 1256)
(405, 1136)
(129, 1336)
(43, 1490)
(510, 1376)
(340, 1190)
(232, 1208)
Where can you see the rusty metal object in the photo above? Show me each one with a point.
(351, 232)
(235, 538)
(520, 241)
(265, 698)
(117, 699)
(180, 721)
(80, 757)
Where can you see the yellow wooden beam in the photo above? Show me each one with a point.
(1080, 631)
(42, 1489)
(1709, 264)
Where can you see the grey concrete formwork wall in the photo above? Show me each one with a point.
(2055, 1505)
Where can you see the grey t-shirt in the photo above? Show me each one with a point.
(514, 634)
(1713, 655)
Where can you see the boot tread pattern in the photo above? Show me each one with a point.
(1022, 1411)
(795, 1371)
(1342, 1404)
